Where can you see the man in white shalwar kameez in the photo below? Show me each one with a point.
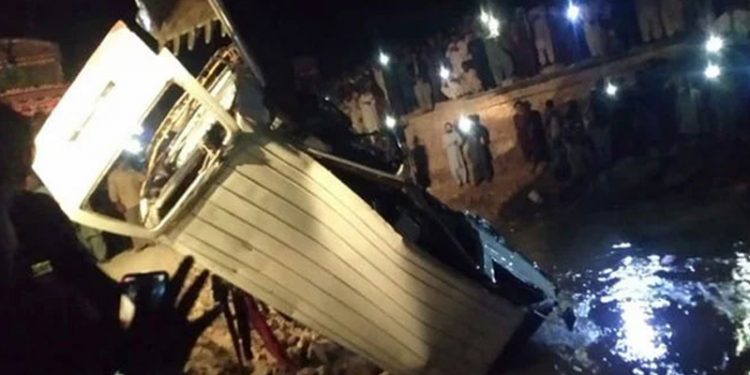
(368, 107)
(673, 16)
(596, 38)
(453, 145)
(542, 35)
(649, 21)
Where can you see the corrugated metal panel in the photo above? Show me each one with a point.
(281, 226)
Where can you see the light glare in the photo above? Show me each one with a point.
(384, 59)
(714, 44)
(494, 26)
(465, 124)
(484, 17)
(611, 89)
(445, 73)
(712, 71)
(390, 122)
(134, 146)
(574, 12)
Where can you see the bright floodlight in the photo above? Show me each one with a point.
(384, 59)
(494, 27)
(574, 12)
(714, 44)
(622, 246)
(445, 73)
(611, 89)
(484, 17)
(390, 122)
(134, 146)
(465, 124)
(712, 71)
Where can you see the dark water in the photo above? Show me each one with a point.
(649, 312)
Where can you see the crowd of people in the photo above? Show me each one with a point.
(661, 107)
(497, 46)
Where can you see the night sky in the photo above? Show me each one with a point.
(339, 33)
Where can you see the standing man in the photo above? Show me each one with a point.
(458, 52)
(368, 108)
(478, 154)
(688, 109)
(422, 88)
(522, 45)
(537, 138)
(480, 60)
(553, 125)
(500, 60)
(351, 107)
(542, 35)
(453, 144)
(378, 74)
(673, 16)
(597, 126)
(648, 20)
(521, 122)
(596, 38)
(421, 170)
(124, 187)
(703, 15)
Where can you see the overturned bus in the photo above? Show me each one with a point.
(303, 214)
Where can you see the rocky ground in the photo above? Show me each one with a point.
(311, 353)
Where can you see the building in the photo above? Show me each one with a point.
(31, 75)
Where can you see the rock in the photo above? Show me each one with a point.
(214, 352)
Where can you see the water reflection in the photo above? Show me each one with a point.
(656, 314)
(741, 297)
(636, 292)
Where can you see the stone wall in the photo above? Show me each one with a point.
(496, 107)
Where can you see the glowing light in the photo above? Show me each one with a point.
(144, 19)
(611, 89)
(574, 12)
(714, 44)
(134, 146)
(384, 59)
(638, 291)
(445, 73)
(712, 71)
(741, 315)
(99, 114)
(390, 122)
(622, 245)
(465, 124)
(138, 131)
(327, 98)
(493, 24)
(484, 17)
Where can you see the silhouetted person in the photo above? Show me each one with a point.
(521, 120)
(575, 142)
(421, 163)
(537, 137)
(480, 151)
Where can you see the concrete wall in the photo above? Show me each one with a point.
(496, 107)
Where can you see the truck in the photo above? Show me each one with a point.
(298, 211)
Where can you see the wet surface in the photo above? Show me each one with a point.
(658, 287)
(641, 312)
